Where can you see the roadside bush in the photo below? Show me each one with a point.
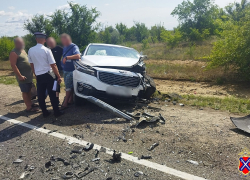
(6, 45)
(145, 44)
(232, 50)
(171, 38)
(191, 52)
(30, 41)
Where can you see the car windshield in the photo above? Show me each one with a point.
(101, 50)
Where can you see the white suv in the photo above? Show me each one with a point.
(111, 73)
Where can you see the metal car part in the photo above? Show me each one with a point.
(108, 107)
(242, 123)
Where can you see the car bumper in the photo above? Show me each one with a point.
(88, 85)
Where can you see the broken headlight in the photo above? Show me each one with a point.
(85, 69)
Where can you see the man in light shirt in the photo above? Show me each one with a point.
(44, 67)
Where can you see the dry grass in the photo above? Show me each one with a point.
(186, 70)
(5, 65)
(183, 52)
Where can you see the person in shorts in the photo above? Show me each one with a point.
(71, 52)
(23, 72)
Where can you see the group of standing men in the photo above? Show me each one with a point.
(46, 64)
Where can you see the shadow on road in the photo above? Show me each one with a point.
(88, 113)
(238, 131)
(15, 130)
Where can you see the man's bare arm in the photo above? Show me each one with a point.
(55, 70)
(13, 59)
(75, 56)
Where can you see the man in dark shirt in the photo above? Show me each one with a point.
(57, 52)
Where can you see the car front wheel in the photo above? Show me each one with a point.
(78, 100)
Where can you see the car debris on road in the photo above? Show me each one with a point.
(77, 149)
(17, 161)
(153, 146)
(193, 162)
(24, 175)
(68, 175)
(138, 173)
(116, 156)
(145, 157)
(89, 146)
(242, 123)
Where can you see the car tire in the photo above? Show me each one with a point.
(78, 100)
(151, 90)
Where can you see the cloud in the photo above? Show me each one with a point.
(3, 13)
(11, 7)
(65, 6)
(106, 4)
(15, 17)
(10, 29)
(13, 22)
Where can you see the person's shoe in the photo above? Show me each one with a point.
(45, 115)
(59, 114)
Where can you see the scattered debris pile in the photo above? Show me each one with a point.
(79, 164)
(145, 112)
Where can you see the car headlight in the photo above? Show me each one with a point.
(85, 70)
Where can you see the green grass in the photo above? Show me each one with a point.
(8, 80)
(12, 80)
(230, 104)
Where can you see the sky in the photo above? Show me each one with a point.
(13, 13)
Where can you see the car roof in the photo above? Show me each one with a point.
(113, 45)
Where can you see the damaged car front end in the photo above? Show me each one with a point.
(111, 73)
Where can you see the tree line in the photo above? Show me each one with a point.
(81, 23)
(198, 20)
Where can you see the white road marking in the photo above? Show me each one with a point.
(143, 162)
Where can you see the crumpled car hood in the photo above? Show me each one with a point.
(110, 61)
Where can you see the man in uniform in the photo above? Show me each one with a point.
(44, 67)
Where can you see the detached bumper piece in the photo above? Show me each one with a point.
(86, 90)
(109, 108)
(242, 123)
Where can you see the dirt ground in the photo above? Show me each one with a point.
(206, 136)
(203, 88)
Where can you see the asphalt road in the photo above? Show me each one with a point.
(205, 136)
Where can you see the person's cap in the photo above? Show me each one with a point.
(40, 35)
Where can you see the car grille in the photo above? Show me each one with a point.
(115, 79)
